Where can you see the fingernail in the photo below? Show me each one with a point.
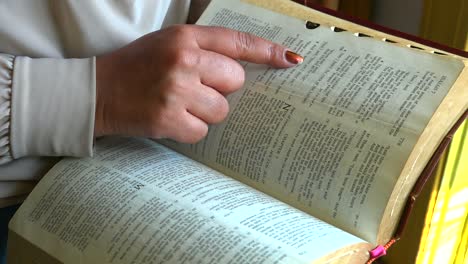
(293, 57)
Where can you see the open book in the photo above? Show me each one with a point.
(313, 164)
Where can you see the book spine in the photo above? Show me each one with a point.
(314, 5)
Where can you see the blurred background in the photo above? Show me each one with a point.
(438, 228)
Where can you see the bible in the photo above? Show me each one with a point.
(319, 163)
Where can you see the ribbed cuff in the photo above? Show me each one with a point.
(6, 73)
(53, 107)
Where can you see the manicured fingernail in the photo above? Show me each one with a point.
(293, 57)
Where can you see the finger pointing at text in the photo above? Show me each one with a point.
(171, 83)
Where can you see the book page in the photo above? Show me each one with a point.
(332, 135)
(138, 202)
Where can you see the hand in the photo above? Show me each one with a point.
(171, 83)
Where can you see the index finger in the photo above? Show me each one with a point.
(244, 46)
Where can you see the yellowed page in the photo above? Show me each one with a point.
(332, 135)
(137, 202)
(448, 112)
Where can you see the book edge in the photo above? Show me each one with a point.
(384, 29)
(20, 251)
(453, 105)
(352, 254)
(335, 19)
(425, 176)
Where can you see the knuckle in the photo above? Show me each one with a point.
(272, 51)
(197, 133)
(168, 95)
(173, 85)
(185, 58)
(201, 132)
(220, 109)
(238, 74)
(244, 42)
(181, 31)
(233, 77)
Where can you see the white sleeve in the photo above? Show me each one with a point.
(6, 69)
(52, 107)
(46, 107)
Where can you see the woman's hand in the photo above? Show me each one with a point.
(171, 83)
